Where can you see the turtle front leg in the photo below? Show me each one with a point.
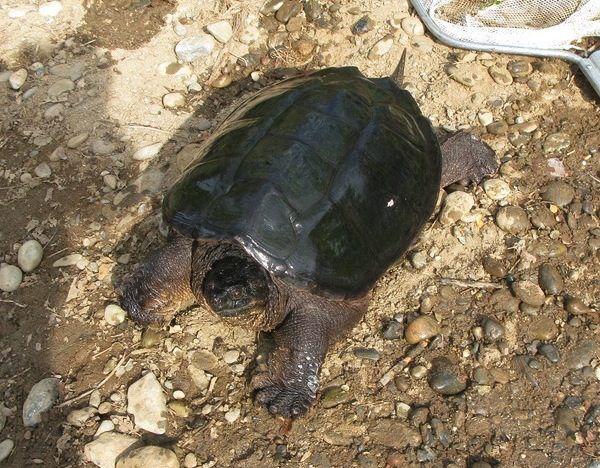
(289, 386)
(161, 283)
(466, 157)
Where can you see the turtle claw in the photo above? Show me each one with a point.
(282, 400)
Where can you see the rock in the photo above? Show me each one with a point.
(413, 26)
(556, 142)
(543, 329)
(190, 461)
(519, 68)
(148, 457)
(419, 260)
(249, 35)
(581, 355)
(232, 415)
(550, 352)
(381, 48)
(105, 426)
(179, 408)
(147, 152)
(66, 70)
(456, 205)
(41, 398)
(288, 9)
(101, 147)
(172, 100)
(576, 306)
(394, 434)
(363, 26)
(499, 127)
(393, 330)
(30, 255)
(79, 417)
(104, 450)
(150, 338)
(68, 260)
(77, 140)
(17, 79)
(334, 396)
(550, 279)
(194, 47)
(464, 74)
(418, 372)
(369, 354)
(492, 329)
(512, 219)
(10, 277)
(43, 171)
(482, 376)
(221, 31)
(55, 111)
(147, 403)
(485, 118)
(6, 447)
(422, 328)
(110, 181)
(542, 218)
(494, 267)
(50, 8)
(558, 192)
(496, 189)
(500, 75)
(443, 379)
(222, 81)
(114, 315)
(295, 24)
(64, 85)
(529, 292)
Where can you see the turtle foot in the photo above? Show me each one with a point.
(281, 399)
(466, 157)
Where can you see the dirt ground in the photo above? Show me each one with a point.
(98, 202)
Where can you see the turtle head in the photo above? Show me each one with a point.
(236, 287)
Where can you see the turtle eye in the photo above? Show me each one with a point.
(237, 292)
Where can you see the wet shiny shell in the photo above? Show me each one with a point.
(324, 179)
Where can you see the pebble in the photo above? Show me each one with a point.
(419, 260)
(147, 152)
(529, 292)
(550, 279)
(558, 192)
(394, 434)
(65, 70)
(222, 81)
(271, 6)
(500, 127)
(231, 356)
(556, 142)
(232, 415)
(77, 140)
(101, 147)
(381, 48)
(496, 189)
(249, 35)
(418, 372)
(443, 379)
(519, 68)
(500, 75)
(482, 376)
(542, 218)
(178, 395)
(492, 329)
(494, 267)
(17, 79)
(464, 75)
(543, 329)
(190, 461)
(288, 9)
(422, 328)
(43, 171)
(512, 219)
(64, 85)
(456, 205)
(110, 181)
(194, 47)
(576, 306)
(221, 31)
(50, 8)
(55, 111)
(393, 330)
(68, 260)
(413, 26)
(105, 426)
(363, 26)
(6, 447)
(172, 100)
(40, 399)
(30, 255)
(149, 457)
(370, 354)
(10, 277)
(581, 355)
(114, 315)
(550, 352)
(79, 417)
(485, 117)
(104, 450)
(147, 403)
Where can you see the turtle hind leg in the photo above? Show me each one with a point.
(466, 157)
(161, 283)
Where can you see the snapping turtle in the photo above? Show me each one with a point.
(293, 209)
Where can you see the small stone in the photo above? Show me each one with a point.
(419, 260)
(232, 415)
(79, 417)
(221, 31)
(529, 292)
(558, 192)
(543, 329)
(550, 279)
(500, 75)
(413, 26)
(17, 79)
(494, 267)
(150, 338)
(542, 218)
(485, 117)
(40, 399)
(190, 461)
(288, 9)
(64, 85)
(10, 277)
(101, 147)
(499, 127)
(512, 219)
(556, 142)
(492, 329)
(178, 395)
(50, 8)
(43, 171)
(394, 434)
(55, 111)
(482, 376)
(550, 352)
(418, 372)
(456, 206)
(249, 35)
(362, 26)
(147, 403)
(114, 315)
(422, 328)
(295, 24)
(194, 47)
(77, 140)
(581, 355)
(496, 189)
(443, 379)
(30, 255)
(95, 398)
(381, 48)
(173, 100)
(104, 450)
(68, 260)
(6, 447)
(393, 330)
(519, 68)
(65, 70)
(464, 74)
(148, 457)
(105, 426)
(147, 152)
(576, 306)
(271, 6)
(222, 81)
(334, 396)
(231, 356)
(369, 354)
(110, 181)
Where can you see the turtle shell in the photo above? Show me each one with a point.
(325, 179)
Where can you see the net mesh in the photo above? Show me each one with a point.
(540, 24)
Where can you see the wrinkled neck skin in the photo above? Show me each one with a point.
(205, 254)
